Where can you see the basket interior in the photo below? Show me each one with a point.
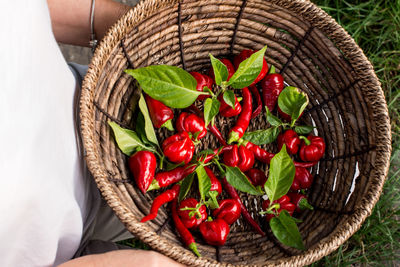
(184, 35)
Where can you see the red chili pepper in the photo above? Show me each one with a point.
(312, 148)
(143, 166)
(256, 94)
(178, 148)
(229, 210)
(256, 177)
(160, 114)
(217, 152)
(215, 183)
(214, 232)
(202, 81)
(246, 215)
(192, 124)
(240, 157)
(164, 179)
(284, 203)
(244, 118)
(272, 85)
(302, 179)
(185, 234)
(246, 54)
(300, 201)
(227, 111)
(291, 140)
(259, 153)
(191, 213)
(160, 200)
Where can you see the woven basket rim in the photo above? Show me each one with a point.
(319, 19)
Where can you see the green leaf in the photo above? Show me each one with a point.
(239, 180)
(304, 129)
(248, 70)
(128, 141)
(204, 181)
(148, 125)
(286, 230)
(185, 186)
(292, 102)
(220, 70)
(273, 120)
(140, 129)
(171, 85)
(281, 175)
(171, 166)
(229, 98)
(212, 202)
(262, 137)
(211, 109)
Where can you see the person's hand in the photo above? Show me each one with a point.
(127, 257)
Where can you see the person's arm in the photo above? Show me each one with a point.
(71, 19)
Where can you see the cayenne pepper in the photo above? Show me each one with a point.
(163, 179)
(256, 94)
(244, 118)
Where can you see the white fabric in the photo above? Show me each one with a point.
(43, 193)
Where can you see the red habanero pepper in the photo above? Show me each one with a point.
(244, 118)
(312, 148)
(192, 124)
(178, 148)
(300, 201)
(214, 232)
(229, 210)
(246, 54)
(215, 184)
(256, 94)
(143, 166)
(256, 177)
(191, 213)
(272, 85)
(160, 114)
(302, 179)
(291, 140)
(246, 215)
(160, 200)
(202, 81)
(227, 111)
(164, 179)
(240, 157)
(185, 234)
(284, 203)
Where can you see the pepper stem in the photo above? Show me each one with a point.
(168, 125)
(303, 204)
(272, 69)
(233, 136)
(305, 139)
(193, 247)
(153, 186)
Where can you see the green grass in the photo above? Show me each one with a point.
(375, 26)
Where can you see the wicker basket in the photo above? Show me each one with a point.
(311, 51)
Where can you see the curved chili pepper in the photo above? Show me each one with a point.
(202, 81)
(143, 166)
(214, 232)
(312, 148)
(244, 118)
(302, 179)
(246, 53)
(259, 153)
(192, 124)
(240, 157)
(291, 140)
(160, 114)
(178, 148)
(160, 200)
(185, 234)
(229, 210)
(246, 215)
(272, 85)
(256, 177)
(215, 183)
(217, 152)
(300, 201)
(191, 214)
(227, 111)
(284, 203)
(256, 94)
(164, 179)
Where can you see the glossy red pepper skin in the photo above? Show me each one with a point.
(178, 148)
(256, 177)
(192, 124)
(302, 179)
(291, 140)
(229, 210)
(164, 179)
(246, 53)
(244, 118)
(215, 183)
(143, 166)
(214, 232)
(300, 201)
(272, 85)
(227, 111)
(256, 95)
(191, 221)
(202, 81)
(165, 197)
(314, 151)
(284, 204)
(159, 113)
(240, 157)
(259, 153)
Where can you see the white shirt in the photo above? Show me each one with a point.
(43, 193)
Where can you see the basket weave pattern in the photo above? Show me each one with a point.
(311, 51)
